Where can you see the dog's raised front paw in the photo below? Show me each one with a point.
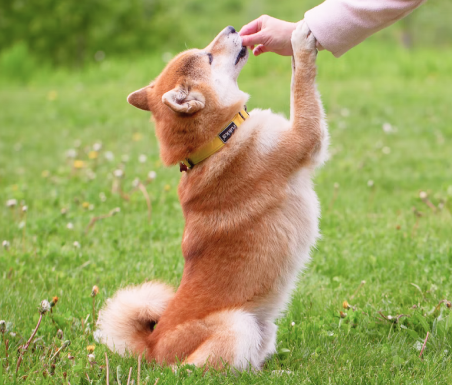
(303, 40)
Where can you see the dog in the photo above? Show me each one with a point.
(251, 213)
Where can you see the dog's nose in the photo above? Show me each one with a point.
(232, 29)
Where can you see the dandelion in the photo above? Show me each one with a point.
(91, 357)
(94, 293)
(77, 245)
(90, 174)
(93, 154)
(45, 174)
(142, 158)
(5, 244)
(167, 188)
(345, 112)
(137, 137)
(63, 211)
(370, 183)
(79, 164)
(109, 156)
(152, 175)
(90, 348)
(63, 346)
(2, 326)
(423, 195)
(387, 127)
(71, 153)
(118, 173)
(342, 314)
(85, 205)
(24, 208)
(45, 306)
(11, 203)
(136, 182)
(97, 146)
(52, 95)
(60, 334)
(70, 226)
(345, 305)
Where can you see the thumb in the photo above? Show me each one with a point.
(260, 49)
(251, 40)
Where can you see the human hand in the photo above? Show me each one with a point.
(269, 34)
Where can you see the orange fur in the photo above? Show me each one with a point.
(250, 218)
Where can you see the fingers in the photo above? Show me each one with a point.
(251, 40)
(252, 27)
(260, 49)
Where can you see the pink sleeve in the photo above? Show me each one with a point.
(339, 25)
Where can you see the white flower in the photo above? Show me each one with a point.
(97, 335)
(5, 244)
(423, 195)
(77, 245)
(370, 183)
(24, 208)
(63, 211)
(109, 156)
(91, 357)
(21, 224)
(45, 307)
(90, 174)
(97, 146)
(91, 207)
(71, 153)
(70, 225)
(292, 324)
(387, 127)
(11, 203)
(142, 158)
(118, 173)
(2, 326)
(152, 175)
(345, 112)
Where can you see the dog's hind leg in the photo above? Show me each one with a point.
(236, 339)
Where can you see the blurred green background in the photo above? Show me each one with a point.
(72, 33)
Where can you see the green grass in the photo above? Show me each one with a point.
(370, 233)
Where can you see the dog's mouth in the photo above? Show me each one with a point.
(241, 54)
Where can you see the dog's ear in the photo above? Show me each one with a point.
(181, 100)
(139, 98)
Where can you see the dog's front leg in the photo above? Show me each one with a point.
(306, 112)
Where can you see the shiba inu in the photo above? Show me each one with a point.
(251, 214)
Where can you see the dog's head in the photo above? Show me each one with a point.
(195, 95)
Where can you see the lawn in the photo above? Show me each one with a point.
(386, 196)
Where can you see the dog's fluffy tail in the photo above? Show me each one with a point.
(132, 312)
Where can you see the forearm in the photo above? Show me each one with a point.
(339, 25)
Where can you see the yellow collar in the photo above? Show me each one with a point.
(216, 144)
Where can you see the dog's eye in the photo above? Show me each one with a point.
(210, 57)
